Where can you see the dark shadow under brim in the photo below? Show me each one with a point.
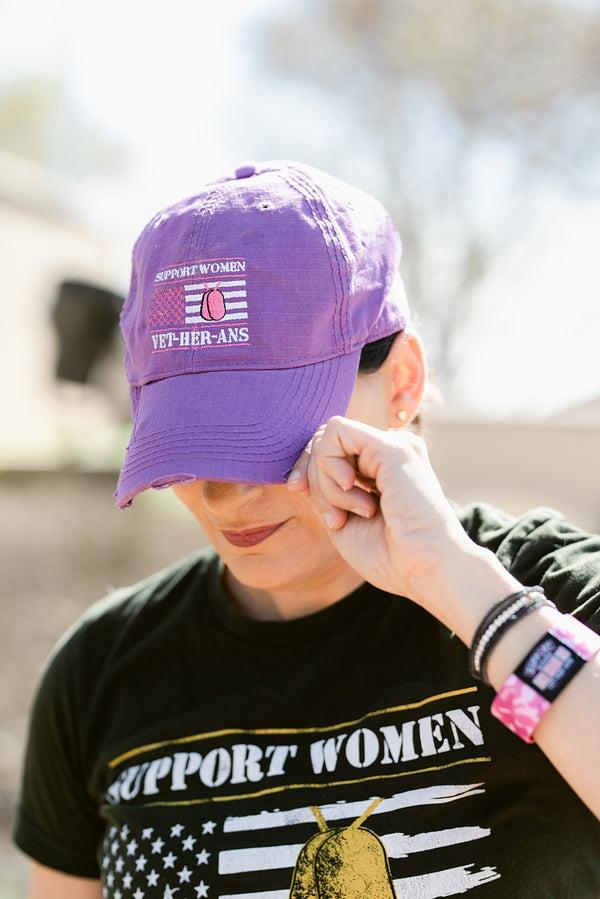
(245, 426)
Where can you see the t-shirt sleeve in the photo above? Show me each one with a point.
(57, 821)
(542, 548)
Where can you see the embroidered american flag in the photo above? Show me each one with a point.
(167, 310)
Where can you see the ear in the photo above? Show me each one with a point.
(408, 371)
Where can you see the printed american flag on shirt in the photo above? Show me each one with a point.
(253, 856)
(156, 862)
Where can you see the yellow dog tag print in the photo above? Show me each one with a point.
(343, 863)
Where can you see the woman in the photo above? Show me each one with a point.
(305, 710)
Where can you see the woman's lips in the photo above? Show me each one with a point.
(251, 537)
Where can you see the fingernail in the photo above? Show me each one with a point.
(362, 513)
(329, 519)
(294, 477)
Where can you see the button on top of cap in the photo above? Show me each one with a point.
(246, 170)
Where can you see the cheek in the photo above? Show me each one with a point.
(308, 539)
(191, 497)
(368, 406)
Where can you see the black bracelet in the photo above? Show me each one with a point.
(538, 599)
(498, 620)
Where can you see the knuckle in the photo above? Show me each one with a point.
(416, 441)
(413, 443)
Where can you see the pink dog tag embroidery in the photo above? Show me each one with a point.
(213, 304)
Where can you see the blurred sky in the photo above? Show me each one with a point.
(178, 91)
(158, 82)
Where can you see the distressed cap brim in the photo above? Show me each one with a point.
(236, 426)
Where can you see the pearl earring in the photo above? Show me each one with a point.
(401, 415)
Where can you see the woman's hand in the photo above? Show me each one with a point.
(388, 517)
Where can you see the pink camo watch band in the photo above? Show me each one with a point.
(548, 667)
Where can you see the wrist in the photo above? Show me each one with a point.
(503, 615)
(510, 650)
(465, 587)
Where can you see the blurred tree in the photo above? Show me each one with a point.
(25, 112)
(446, 92)
(37, 124)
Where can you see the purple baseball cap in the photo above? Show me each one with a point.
(249, 305)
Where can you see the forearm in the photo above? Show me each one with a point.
(46, 883)
(569, 732)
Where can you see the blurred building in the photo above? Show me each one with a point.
(47, 422)
(518, 465)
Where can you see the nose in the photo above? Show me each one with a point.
(218, 495)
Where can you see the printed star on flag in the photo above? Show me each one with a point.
(184, 875)
(169, 860)
(157, 846)
(157, 862)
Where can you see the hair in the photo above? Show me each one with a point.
(373, 355)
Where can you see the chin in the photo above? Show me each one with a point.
(263, 573)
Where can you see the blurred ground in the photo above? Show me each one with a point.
(62, 546)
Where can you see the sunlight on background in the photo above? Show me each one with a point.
(152, 87)
(137, 106)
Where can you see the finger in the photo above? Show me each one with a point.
(342, 454)
(346, 491)
(335, 507)
(340, 470)
(297, 480)
(334, 488)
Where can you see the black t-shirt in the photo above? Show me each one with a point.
(178, 749)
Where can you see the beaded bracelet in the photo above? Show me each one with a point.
(495, 624)
(528, 692)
